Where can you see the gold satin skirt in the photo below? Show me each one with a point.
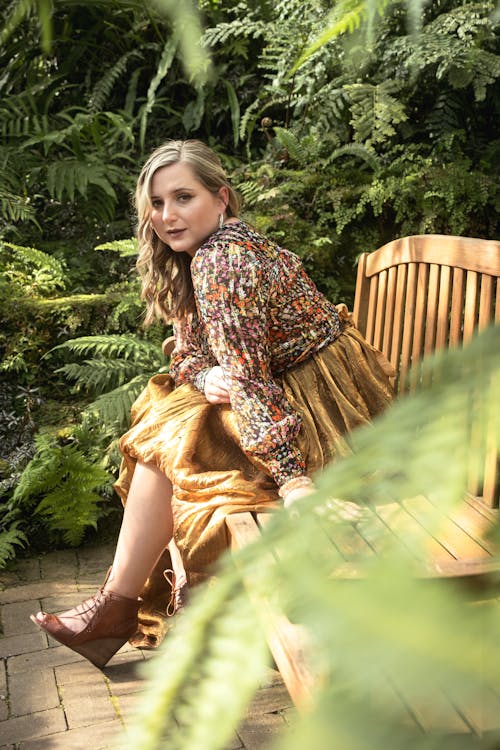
(197, 444)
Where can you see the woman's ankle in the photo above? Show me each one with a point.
(121, 586)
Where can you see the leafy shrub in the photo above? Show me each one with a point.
(61, 485)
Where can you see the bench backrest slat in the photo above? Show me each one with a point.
(424, 293)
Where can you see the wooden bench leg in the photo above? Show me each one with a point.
(287, 642)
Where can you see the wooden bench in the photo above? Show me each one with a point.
(413, 296)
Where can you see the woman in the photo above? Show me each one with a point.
(265, 378)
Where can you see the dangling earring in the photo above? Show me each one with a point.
(221, 221)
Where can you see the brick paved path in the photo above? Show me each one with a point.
(53, 699)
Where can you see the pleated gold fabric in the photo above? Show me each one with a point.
(197, 444)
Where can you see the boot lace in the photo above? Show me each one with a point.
(177, 592)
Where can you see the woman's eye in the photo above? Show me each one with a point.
(183, 197)
(156, 203)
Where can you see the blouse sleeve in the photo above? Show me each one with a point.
(232, 288)
(191, 358)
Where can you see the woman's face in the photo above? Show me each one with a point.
(184, 213)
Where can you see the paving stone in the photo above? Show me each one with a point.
(33, 691)
(97, 737)
(128, 705)
(96, 702)
(8, 580)
(22, 644)
(124, 673)
(49, 657)
(29, 569)
(79, 673)
(62, 564)
(4, 706)
(16, 617)
(33, 591)
(22, 571)
(257, 732)
(235, 743)
(31, 726)
(91, 581)
(95, 559)
(86, 704)
(275, 698)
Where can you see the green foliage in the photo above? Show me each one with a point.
(74, 131)
(366, 80)
(67, 482)
(61, 485)
(386, 633)
(375, 112)
(117, 371)
(125, 248)
(34, 321)
(380, 133)
(26, 270)
(10, 538)
(128, 354)
(210, 675)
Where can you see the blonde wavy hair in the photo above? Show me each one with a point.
(167, 287)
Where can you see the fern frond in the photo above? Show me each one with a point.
(296, 150)
(193, 112)
(375, 111)
(98, 376)
(74, 507)
(63, 485)
(206, 662)
(10, 539)
(104, 86)
(68, 176)
(251, 27)
(33, 270)
(124, 248)
(112, 346)
(447, 115)
(347, 16)
(164, 66)
(114, 406)
(14, 207)
(358, 151)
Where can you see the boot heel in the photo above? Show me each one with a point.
(99, 652)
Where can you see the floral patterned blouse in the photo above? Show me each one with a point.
(258, 314)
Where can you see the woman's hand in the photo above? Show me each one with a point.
(216, 388)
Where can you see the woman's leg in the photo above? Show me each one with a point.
(99, 626)
(145, 532)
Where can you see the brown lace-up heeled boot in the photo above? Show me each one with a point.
(99, 626)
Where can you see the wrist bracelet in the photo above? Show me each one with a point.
(293, 484)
